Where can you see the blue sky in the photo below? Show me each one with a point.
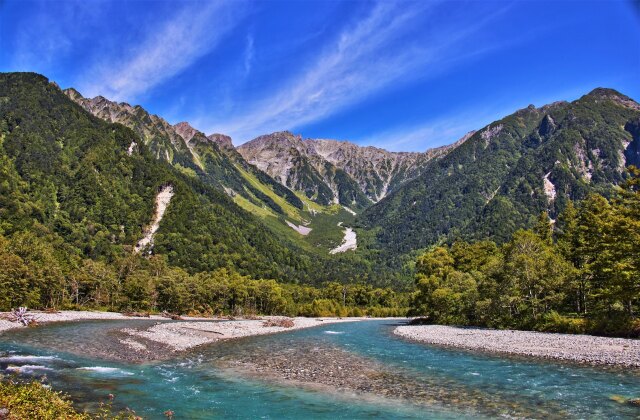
(399, 75)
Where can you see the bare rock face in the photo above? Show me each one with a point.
(185, 131)
(288, 160)
(275, 154)
(221, 140)
(377, 171)
(339, 165)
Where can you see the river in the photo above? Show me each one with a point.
(438, 382)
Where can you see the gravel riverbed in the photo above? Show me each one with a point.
(571, 347)
(184, 335)
(335, 370)
(65, 316)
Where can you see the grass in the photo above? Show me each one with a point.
(289, 210)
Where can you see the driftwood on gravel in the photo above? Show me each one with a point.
(169, 315)
(51, 311)
(21, 316)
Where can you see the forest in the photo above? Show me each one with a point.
(580, 274)
(35, 274)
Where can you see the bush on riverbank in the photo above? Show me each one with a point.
(554, 322)
(33, 400)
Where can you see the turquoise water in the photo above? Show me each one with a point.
(76, 358)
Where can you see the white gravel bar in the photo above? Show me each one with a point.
(184, 335)
(64, 316)
(576, 348)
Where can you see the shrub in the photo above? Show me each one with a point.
(34, 401)
(422, 320)
(615, 325)
(554, 322)
(279, 322)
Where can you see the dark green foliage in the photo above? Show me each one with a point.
(587, 280)
(35, 400)
(33, 276)
(70, 174)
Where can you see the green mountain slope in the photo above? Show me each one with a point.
(502, 177)
(213, 160)
(208, 158)
(68, 174)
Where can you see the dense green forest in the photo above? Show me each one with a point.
(579, 274)
(33, 275)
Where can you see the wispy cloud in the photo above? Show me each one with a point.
(43, 38)
(377, 51)
(248, 55)
(167, 49)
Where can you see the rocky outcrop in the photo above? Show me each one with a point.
(185, 131)
(295, 164)
(223, 141)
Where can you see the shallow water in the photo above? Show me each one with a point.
(78, 358)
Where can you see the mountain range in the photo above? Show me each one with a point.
(87, 170)
(330, 171)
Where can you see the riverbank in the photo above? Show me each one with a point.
(65, 316)
(585, 349)
(155, 341)
(180, 336)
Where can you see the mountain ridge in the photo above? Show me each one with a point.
(319, 166)
(510, 171)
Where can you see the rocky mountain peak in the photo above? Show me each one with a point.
(221, 140)
(73, 94)
(186, 131)
(371, 170)
(279, 139)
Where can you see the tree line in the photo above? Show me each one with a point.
(580, 273)
(38, 273)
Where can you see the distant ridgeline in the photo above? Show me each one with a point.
(80, 181)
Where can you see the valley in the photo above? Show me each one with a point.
(108, 208)
(394, 209)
